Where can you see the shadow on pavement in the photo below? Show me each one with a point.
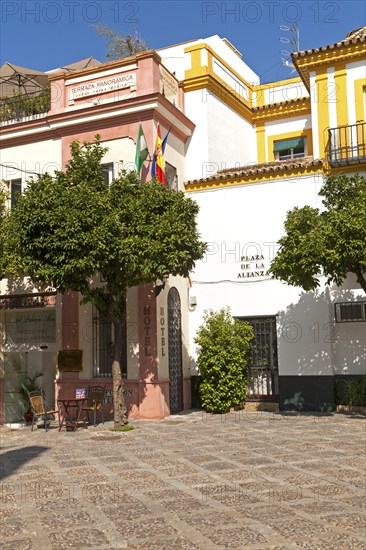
(10, 461)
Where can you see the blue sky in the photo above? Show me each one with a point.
(46, 34)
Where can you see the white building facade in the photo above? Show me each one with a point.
(248, 153)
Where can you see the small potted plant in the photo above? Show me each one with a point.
(30, 384)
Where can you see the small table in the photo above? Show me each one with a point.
(70, 412)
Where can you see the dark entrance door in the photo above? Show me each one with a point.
(175, 351)
(263, 363)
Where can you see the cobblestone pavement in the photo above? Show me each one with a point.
(244, 480)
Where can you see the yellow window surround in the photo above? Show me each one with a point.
(289, 135)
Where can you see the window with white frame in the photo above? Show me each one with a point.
(15, 190)
(290, 149)
(108, 173)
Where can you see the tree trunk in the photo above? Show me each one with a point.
(119, 406)
(360, 278)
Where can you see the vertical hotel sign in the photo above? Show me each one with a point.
(103, 86)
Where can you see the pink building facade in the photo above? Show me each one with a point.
(111, 100)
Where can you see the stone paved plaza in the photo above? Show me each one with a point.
(244, 480)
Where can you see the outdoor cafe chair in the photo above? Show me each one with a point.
(40, 408)
(95, 399)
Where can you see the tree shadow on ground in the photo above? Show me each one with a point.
(11, 461)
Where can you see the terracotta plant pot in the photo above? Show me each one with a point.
(28, 417)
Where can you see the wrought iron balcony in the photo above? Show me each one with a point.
(24, 107)
(347, 145)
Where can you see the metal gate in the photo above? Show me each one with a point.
(175, 351)
(263, 363)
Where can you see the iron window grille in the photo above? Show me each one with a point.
(350, 312)
(103, 340)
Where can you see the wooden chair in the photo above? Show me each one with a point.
(95, 400)
(40, 408)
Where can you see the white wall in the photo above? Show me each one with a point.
(349, 339)
(22, 160)
(222, 138)
(121, 152)
(232, 139)
(295, 124)
(174, 58)
(197, 145)
(292, 90)
(248, 220)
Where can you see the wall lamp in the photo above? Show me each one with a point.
(160, 285)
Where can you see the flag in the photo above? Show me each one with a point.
(166, 139)
(153, 165)
(141, 150)
(158, 164)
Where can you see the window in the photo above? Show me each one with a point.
(171, 177)
(30, 327)
(290, 149)
(108, 173)
(15, 189)
(103, 338)
(350, 312)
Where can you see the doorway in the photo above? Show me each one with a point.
(175, 351)
(17, 367)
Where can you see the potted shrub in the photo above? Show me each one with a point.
(223, 343)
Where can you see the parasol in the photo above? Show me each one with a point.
(15, 79)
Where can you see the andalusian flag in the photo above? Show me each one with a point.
(158, 167)
(141, 150)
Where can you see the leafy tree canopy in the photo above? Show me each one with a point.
(3, 220)
(331, 241)
(66, 229)
(121, 45)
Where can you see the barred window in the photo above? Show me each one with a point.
(350, 312)
(103, 341)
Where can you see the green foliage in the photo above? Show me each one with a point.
(66, 229)
(120, 46)
(30, 384)
(3, 221)
(332, 241)
(354, 392)
(20, 105)
(223, 346)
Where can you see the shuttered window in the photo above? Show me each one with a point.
(295, 143)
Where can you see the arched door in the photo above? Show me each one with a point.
(175, 351)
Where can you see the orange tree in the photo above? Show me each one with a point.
(67, 228)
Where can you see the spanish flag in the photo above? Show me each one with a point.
(159, 158)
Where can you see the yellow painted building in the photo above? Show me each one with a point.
(268, 149)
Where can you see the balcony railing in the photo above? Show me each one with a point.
(347, 145)
(24, 107)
